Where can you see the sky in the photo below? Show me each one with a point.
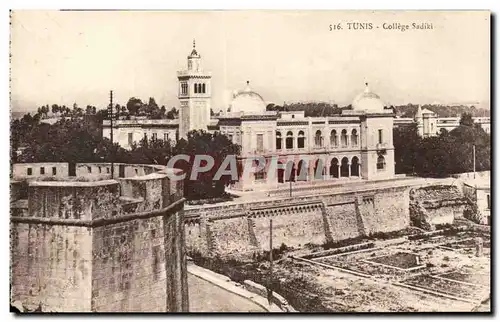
(63, 57)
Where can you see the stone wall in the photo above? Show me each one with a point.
(436, 205)
(51, 266)
(87, 246)
(241, 229)
(20, 170)
(343, 221)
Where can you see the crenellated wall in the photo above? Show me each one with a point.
(100, 246)
(241, 229)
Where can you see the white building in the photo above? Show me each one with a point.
(356, 144)
(430, 124)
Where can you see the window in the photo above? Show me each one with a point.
(89, 169)
(107, 170)
(195, 88)
(318, 139)
(333, 138)
(155, 136)
(293, 116)
(230, 136)
(184, 88)
(488, 201)
(260, 142)
(100, 169)
(289, 140)
(260, 175)
(130, 138)
(145, 136)
(54, 171)
(343, 138)
(380, 136)
(278, 140)
(29, 171)
(42, 170)
(165, 136)
(301, 140)
(354, 137)
(203, 89)
(380, 163)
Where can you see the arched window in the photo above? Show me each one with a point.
(344, 167)
(319, 170)
(334, 140)
(334, 168)
(354, 137)
(343, 138)
(301, 140)
(318, 139)
(355, 166)
(203, 88)
(301, 171)
(290, 171)
(289, 140)
(380, 162)
(278, 141)
(281, 172)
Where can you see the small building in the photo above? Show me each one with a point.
(478, 191)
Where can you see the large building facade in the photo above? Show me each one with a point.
(354, 145)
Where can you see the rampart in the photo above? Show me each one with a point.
(241, 229)
(96, 244)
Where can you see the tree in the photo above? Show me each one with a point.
(172, 114)
(203, 143)
(133, 105)
(466, 119)
(406, 148)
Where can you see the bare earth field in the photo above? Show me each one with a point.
(433, 274)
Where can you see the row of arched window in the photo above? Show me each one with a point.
(346, 139)
(199, 88)
(336, 169)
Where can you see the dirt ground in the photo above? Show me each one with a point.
(446, 264)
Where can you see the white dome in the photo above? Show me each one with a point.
(247, 102)
(368, 102)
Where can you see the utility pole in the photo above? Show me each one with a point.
(474, 160)
(110, 113)
(270, 290)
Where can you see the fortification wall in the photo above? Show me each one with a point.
(343, 221)
(293, 226)
(134, 265)
(51, 266)
(231, 236)
(37, 171)
(84, 246)
(298, 221)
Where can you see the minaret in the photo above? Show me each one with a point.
(419, 120)
(194, 95)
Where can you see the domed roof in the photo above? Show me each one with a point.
(368, 102)
(247, 102)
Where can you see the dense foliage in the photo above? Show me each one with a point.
(80, 140)
(442, 155)
(316, 109)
